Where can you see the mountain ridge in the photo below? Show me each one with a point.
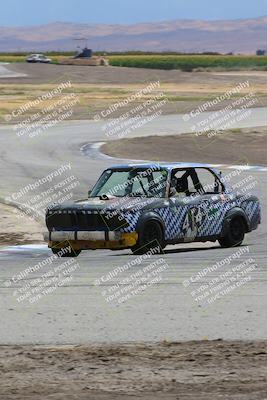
(242, 36)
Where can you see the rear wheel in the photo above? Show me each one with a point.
(65, 252)
(150, 239)
(235, 234)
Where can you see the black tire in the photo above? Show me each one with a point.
(151, 238)
(235, 233)
(72, 253)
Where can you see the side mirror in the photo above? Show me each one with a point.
(89, 192)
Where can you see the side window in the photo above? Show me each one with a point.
(208, 183)
(184, 175)
(191, 186)
(157, 183)
(194, 181)
(154, 183)
(137, 186)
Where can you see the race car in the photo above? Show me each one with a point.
(145, 207)
(38, 58)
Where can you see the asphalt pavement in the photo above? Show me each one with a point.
(79, 311)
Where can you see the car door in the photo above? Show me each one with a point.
(184, 206)
(201, 206)
(213, 203)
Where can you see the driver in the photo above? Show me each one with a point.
(179, 187)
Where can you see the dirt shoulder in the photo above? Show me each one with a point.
(51, 73)
(16, 228)
(209, 370)
(97, 88)
(239, 147)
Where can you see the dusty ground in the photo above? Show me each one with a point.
(99, 87)
(42, 73)
(16, 228)
(239, 147)
(206, 370)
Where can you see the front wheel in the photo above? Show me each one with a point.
(235, 234)
(150, 239)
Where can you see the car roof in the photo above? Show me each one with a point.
(163, 165)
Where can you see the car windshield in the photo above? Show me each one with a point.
(135, 182)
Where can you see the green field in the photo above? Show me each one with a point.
(11, 58)
(166, 61)
(191, 62)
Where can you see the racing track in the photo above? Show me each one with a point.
(78, 313)
(7, 73)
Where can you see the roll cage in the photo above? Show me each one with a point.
(183, 179)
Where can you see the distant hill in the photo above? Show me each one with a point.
(238, 36)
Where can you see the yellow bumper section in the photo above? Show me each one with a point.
(127, 240)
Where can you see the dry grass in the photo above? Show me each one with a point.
(94, 98)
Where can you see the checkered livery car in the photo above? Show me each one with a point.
(145, 207)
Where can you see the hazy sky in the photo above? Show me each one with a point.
(34, 12)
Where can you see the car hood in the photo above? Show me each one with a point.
(118, 203)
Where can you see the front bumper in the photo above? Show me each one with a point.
(85, 240)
